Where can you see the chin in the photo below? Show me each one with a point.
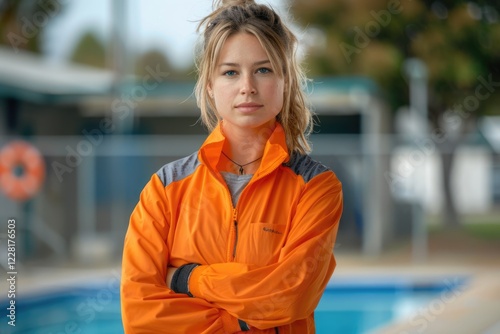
(260, 123)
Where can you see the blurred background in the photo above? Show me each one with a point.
(407, 101)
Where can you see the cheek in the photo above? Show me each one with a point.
(223, 90)
(222, 99)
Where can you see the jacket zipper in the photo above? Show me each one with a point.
(232, 255)
(235, 222)
(235, 212)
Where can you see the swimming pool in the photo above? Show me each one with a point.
(357, 306)
(347, 307)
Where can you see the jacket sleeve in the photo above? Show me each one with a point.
(148, 305)
(290, 289)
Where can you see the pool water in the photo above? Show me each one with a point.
(360, 307)
(347, 308)
(83, 310)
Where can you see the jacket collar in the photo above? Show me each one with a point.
(275, 151)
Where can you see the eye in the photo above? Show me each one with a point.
(229, 73)
(264, 70)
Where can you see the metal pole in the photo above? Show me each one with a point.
(417, 73)
(123, 119)
(120, 62)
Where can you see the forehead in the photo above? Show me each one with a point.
(242, 46)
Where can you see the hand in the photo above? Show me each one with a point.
(170, 274)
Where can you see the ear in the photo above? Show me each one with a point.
(210, 91)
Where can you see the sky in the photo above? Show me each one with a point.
(169, 25)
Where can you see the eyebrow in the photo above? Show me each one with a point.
(254, 64)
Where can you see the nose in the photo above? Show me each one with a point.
(248, 85)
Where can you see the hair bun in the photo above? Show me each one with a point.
(230, 3)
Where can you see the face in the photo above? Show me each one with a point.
(247, 91)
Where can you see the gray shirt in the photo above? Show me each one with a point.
(236, 184)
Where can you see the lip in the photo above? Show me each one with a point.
(248, 106)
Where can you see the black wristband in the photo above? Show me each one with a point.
(243, 325)
(180, 279)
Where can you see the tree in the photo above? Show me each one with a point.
(155, 57)
(152, 59)
(22, 22)
(457, 40)
(90, 51)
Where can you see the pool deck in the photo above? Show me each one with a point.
(473, 307)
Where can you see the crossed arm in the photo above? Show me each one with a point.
(275, 295)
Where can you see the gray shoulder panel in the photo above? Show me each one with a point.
(305, 166)
(179, 169)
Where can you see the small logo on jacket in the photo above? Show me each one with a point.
(270, 230)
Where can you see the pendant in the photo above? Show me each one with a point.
(241, 170)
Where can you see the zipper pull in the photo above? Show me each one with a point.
(235, 222)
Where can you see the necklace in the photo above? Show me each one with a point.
(241, 170)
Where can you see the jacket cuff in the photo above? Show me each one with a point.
(194, 279)
(229, 323)
(180, 279)
(243, 325)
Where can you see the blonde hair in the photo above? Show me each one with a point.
(233, 16)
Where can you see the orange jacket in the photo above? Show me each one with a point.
(266, 261)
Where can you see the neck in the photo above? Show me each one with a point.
(245, 145)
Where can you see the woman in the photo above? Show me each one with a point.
(239, 235)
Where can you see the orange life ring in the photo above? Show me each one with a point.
(22, 170)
